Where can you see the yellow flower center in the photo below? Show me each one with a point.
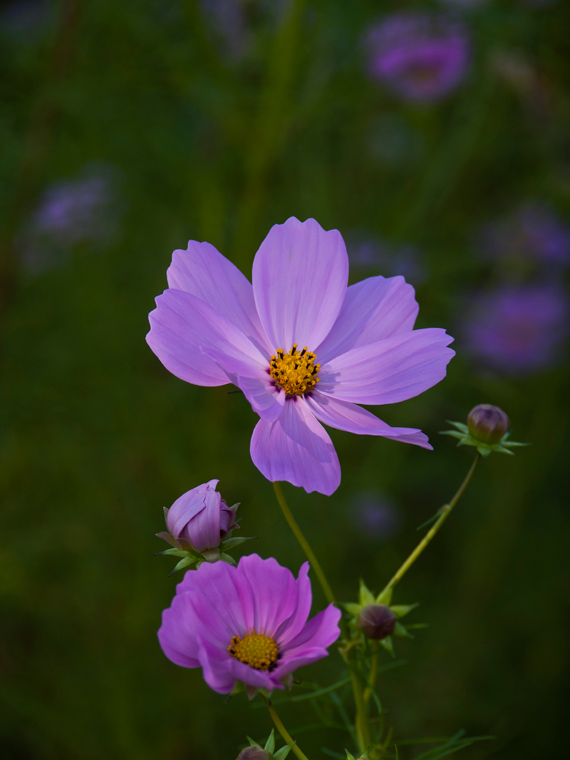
(295, 372)
(256, 650)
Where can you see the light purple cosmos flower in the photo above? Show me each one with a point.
(518, 329)
(199, 520)
(246, 623)
(420, 57)
(301, 345)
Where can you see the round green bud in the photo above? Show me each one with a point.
(376, 621)
(487, 423)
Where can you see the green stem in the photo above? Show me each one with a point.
(283, 731)
(444, 513)
(303, 542)
(373, 673)
(361, 722)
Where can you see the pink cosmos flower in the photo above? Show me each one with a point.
(302, 346)
(246, 623)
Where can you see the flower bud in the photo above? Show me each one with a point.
(376, 621)
(253, 753)
(487, 423)
(199, 520)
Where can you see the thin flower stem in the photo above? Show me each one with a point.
(373, 673)
(283, 731)
(303, 542)
(361, 722)
(444, 512)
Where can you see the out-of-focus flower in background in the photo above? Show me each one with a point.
(375, 516)
(517, 329)
(420, 57)
(534, 233)
(85, 210)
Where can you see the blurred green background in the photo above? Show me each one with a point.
(197, 127)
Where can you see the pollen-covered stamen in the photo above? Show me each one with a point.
(256, 650)
(296, 371)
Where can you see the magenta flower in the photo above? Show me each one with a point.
(420, 57)
(246, 623)
(199, 520)
(301, 345)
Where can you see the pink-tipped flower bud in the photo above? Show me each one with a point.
(487, 423)
(199, 520)
(253, 753)
(376, 621)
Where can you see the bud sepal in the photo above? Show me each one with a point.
(484, 448)
(256, 752)
(374, 618)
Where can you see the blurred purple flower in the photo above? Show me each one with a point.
(518, 329)
(534, 233)
(246, 623)
(421, 57)
(83, 210)
(375, 516)
(200, 519)
(211, 327)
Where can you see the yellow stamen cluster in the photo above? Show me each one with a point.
(296, 371)
(256, 650)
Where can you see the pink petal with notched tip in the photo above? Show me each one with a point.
(300, 274)
(296, 448)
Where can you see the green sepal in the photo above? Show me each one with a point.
(385, 597)
(172, 553)
(365, 596)
(228, 559)
(270, 743)
(352, 608)
(186, 562)
(229, 543)
(388, 645)
(239, 686)
(400, 610)
(349, 756)
(484, 449)
(282, 753)
(400, 630)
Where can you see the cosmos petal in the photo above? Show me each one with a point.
(183, 325)
(296, 448)
(300, 274)
(255, 382)
(373, 309)
(203, 272)
(392, 370)
(344, 415)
